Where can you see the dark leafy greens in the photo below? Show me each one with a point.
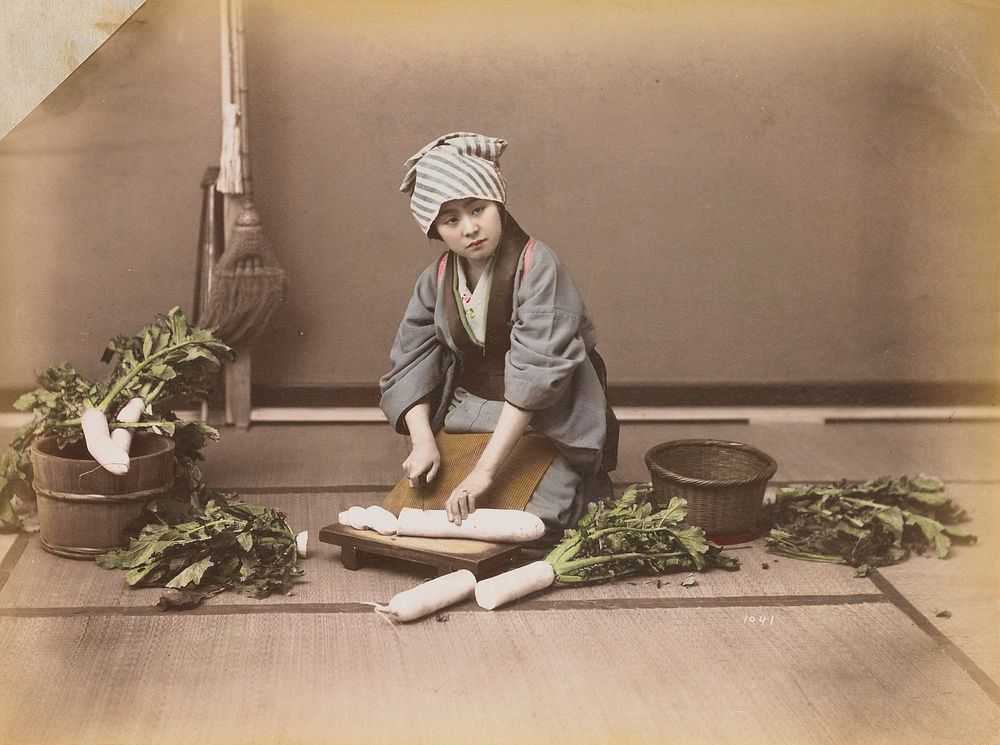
(631, 536)
(867, 525)
(163, 362)
(200, 552)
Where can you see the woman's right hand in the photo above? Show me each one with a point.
(424, 459)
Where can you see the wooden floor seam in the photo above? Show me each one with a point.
(9, 560)
(368, 488)
(323, 489)
(978, 675)
(752, 601)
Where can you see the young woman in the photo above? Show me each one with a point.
(495, 339)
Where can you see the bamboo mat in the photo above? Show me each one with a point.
(836, 660)
(966, 579)
(816, 675)
(966, 585)
(512, 487)
(42, 581)
(6, 541)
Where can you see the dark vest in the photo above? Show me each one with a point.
(482, 365)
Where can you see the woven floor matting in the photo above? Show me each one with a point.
(797, 652)
(805, 675)
(965, 587)
(40, 580)
(512, 487)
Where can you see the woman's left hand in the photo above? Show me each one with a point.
(463, 500)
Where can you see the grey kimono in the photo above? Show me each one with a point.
(549, 369)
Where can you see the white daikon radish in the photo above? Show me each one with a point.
(302, 543)
(503, 588)
(380, 519)
(131, 413)
(99, 444)
(503, 526)
(418, 601)
(356, 517)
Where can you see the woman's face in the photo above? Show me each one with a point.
(471, 228)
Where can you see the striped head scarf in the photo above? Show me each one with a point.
(455, 166)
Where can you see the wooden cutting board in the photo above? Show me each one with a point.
(513, 485)
(481, 558)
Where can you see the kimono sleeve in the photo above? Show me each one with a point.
(417, 357)
(546, 341)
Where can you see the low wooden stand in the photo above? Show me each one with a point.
(445, 554)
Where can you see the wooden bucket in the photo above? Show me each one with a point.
(83, 510)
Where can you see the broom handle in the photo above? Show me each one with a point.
(231, 158)
(227, 53)
(242, 92)
(235, 164)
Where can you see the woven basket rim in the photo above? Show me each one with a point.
(770, 465)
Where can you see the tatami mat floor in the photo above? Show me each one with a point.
(779, 651)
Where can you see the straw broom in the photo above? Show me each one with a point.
(248, 285)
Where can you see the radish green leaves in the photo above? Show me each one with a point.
(203, 551)
(630, 537)
(867, 525)
(164, 361)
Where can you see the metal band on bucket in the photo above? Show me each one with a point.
(135, 496)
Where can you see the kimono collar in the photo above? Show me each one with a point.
(500, 306)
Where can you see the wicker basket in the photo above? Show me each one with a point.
(723, 482)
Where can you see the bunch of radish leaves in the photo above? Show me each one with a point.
(197, 552)
(165, 361)
(633, 536)
(877, 523)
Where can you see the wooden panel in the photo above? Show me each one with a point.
(826, 452)
(371, 454)
(337, 454)
(275, 455)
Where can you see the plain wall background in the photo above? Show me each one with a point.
(745, 192)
